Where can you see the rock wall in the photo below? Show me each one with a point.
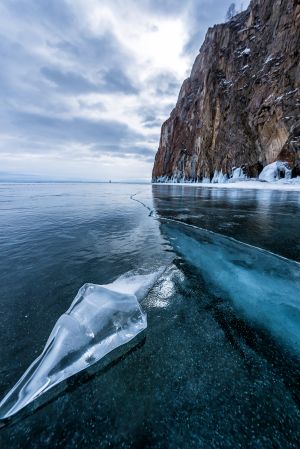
(240, 107)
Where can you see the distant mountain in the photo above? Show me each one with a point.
(240, 107)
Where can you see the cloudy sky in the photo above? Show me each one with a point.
(86, 84)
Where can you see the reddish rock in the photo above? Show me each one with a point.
(240, 107)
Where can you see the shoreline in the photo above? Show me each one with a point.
(257, 185)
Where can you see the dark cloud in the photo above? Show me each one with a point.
(13, 56)
(166, 7)
(115, 80)
(124, 151)
(155, 116)
(64, 46)
(152, 122)
(101, 52)
(102, 137)
(54, 13)
(72, 130)
(105, 51)
(165, 83)
(92, 53)
(105, 57)
(68, 81)
(98, 106)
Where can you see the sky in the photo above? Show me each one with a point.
(85, 85)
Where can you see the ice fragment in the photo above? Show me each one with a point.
(100, 319)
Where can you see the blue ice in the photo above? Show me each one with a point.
(263, 287)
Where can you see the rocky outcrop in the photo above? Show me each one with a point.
(240, 107)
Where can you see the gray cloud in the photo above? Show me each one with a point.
(115, 80)
(55, 13)
(154, 117)
(69, 81)
(104, 51)
(56, 67)
(65, 47)
(101, 134)
(166, 7)
(151, 121)
(165, 83)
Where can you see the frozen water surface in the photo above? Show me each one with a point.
(212, 371)
(262, 286)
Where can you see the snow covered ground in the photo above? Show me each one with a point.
(275, 176)
(240, 185)
(249, 184)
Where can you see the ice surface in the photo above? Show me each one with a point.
(275, 171)
(262, 286)
(100, 319)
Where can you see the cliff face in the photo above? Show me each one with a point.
(240, 107)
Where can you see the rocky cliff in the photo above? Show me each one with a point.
(240, 107)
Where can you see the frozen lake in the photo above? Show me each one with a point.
(218, 365)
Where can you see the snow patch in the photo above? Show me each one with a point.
(276, 171)
(246, 51)
(269, 59)
(293, 181)
(237, 175)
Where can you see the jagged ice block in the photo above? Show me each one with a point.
(100, 319)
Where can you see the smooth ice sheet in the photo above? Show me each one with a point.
(264, 287)
(100, 319)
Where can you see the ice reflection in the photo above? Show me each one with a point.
(265, 218)
(165, 289)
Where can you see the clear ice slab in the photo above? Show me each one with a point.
(99, 320)
(262, 286)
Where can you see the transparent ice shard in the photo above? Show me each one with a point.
(100, 319)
